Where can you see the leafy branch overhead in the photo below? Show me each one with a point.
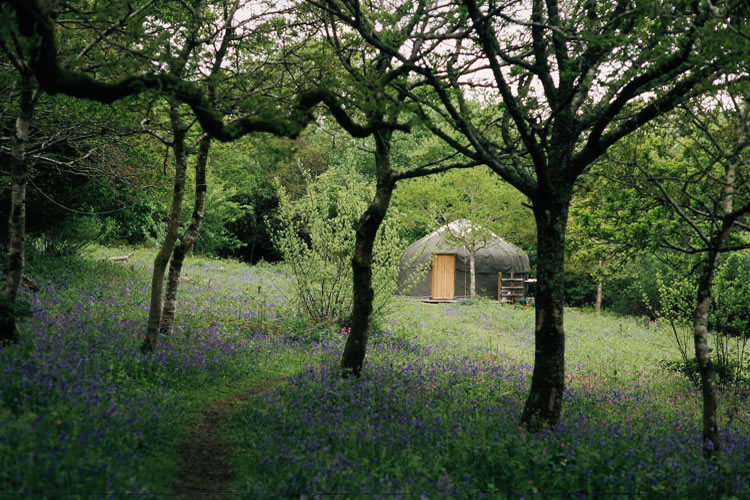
(35, 22)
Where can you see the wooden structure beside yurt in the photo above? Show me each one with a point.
(447, 269)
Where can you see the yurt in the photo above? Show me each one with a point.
(447, 266)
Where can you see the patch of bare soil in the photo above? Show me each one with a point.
(205, 472)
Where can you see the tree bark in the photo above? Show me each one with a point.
(367, 229)
(187, 242)
(598, 303)
(705, 367)
(162, 258)
(14, 263)
(711, 444)
(472, 274)
(544, 403)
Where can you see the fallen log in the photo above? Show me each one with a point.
(120, 258)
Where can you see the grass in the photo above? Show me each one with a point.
(437, 409)
(82, 412)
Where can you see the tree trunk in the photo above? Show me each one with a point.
(544, 402)
(188, 239)
(705, 367)
(472, 275)
(14, 263)
(367, 229)
(598, 303)
(162, 258)
(700, 332)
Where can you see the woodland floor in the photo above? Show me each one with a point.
(205, 472)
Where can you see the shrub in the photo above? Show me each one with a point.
(316, 237)
(636, 282)
(580, 290)
(72, 235)
(677, 301)
(215, 237)
(730, 311)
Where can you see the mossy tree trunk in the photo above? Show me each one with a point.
(14, 264)
(711, 444)
(161, 260)
(187, 242)
(472, 274)
(705, 367)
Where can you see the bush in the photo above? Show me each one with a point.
(316, 234)
(72, 235)
(677, 302)
(729, 374)
(730, 311)
(215, 237)
(637, 282)
(580, 290)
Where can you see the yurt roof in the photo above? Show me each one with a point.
(498, 256)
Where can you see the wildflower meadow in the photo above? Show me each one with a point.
(435, 413)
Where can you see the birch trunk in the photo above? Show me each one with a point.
(162, 258)
(187, 242)
(14, 263)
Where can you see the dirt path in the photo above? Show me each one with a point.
(205, 457)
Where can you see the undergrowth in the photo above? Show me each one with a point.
(435, 413)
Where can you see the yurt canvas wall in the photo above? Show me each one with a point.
(498, 257)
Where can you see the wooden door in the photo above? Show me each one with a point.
(443, 276)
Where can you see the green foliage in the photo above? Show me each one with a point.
(316, 234)
(730, 311)
(634, 290)
(141, 220)
(580, 290)
(730, 375)
(215, 236)
(476, 194)
(13, 311)
(677, 308)
(72, 235)
(676, 311)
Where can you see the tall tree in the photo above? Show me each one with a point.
(22, 59)
(571, 79)
(186, 243)
(36, 27)
(14, 265)
(365, 87)
(696, 167)
(731, 205)
(211, 30)
(195, 38)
